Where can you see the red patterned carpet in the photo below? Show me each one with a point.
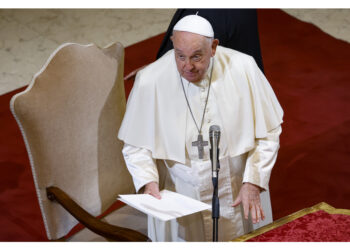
(309, 71)
(318, 226)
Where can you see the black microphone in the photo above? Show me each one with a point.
(214, 137)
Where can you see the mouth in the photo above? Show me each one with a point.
(190, 74)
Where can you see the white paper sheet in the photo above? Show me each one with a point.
(172, 205)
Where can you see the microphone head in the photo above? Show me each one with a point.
(214, 128)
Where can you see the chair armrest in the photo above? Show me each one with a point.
(106, 230)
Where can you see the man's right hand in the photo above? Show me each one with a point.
(152, 189)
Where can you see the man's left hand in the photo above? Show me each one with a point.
(249, 196)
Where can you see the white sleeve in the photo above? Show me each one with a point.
(262, 158)
(141, 165)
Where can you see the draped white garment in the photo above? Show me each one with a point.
(192, 176)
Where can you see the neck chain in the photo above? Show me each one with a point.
(199, 143)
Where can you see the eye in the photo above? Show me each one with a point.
(196, 58)
(181, 57)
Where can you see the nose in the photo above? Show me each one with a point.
(188, 66)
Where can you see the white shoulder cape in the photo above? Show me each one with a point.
(155, 117)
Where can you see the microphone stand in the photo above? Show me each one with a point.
(215, 200)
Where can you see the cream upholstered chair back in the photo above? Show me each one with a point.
(69, 117)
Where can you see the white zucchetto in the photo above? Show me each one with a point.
(195, 24)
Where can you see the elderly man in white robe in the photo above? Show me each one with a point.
(173, 103)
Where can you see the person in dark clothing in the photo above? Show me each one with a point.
(235, 28)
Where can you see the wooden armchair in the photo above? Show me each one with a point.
(69, 117)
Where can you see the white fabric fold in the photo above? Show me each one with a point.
(141, 166)
(262, 158)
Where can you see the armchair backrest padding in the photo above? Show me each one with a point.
(69, 117)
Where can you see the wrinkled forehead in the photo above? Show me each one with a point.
(190, 47)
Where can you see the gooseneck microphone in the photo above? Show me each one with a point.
(214, 137)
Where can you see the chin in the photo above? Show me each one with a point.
(192, 79)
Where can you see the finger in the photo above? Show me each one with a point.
(262, 213)
(253, 213)
(246, 210)
(258, 213)
(237, 201)
(154, 194)
(157, 195)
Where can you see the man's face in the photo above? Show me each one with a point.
(192, 54)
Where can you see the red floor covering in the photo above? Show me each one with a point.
(309, 72)
(319, 226)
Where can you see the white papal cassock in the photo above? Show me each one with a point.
(158, 125)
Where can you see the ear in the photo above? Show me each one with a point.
(214, 44)
(172, 37)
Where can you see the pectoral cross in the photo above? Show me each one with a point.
(200, 144)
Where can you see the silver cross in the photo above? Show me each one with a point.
(200, 144)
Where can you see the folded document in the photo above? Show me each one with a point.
(172, 205)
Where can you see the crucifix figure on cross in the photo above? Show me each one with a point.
(200, 144)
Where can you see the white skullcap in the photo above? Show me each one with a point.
(195, 24)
